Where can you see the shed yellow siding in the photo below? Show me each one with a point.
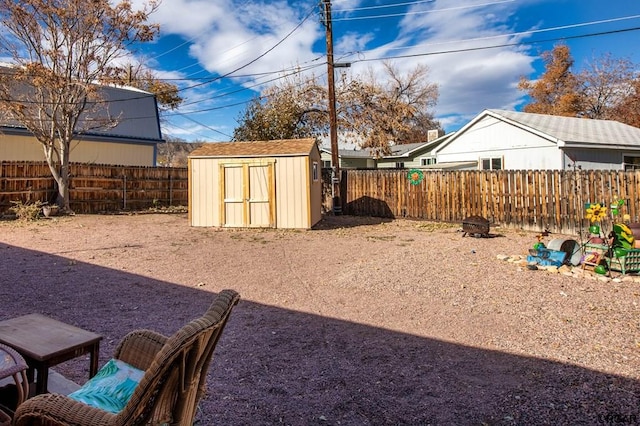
(291, 193)
(26, 148)
(205, 192)
(258, 187)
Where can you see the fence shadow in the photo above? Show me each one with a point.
(369, 206)
(275, 365)
(330, 221)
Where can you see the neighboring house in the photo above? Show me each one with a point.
(412, 155)
(132, 142)
(511, 140)
(349, 158)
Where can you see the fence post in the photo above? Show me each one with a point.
(170, 188)
(124, 191)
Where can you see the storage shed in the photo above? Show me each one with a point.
(268, 184)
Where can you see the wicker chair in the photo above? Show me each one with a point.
(175, 372)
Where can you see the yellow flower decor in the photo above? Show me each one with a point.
(596, 212)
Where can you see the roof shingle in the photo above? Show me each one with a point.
(283, 147)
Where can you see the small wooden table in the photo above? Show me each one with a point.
(45, 342)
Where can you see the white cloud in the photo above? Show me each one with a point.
(226, 35)
(469, 81)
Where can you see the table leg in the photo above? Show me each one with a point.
(95, 351)
(42, 380)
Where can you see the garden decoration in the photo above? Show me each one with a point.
(622, 237)
(617, 251)
(415, 176)
(616, 205)
(595, 213)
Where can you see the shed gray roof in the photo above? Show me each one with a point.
(573, 130)
(283, 147)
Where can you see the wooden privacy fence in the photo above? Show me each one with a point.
(95, 188)
(532, 200)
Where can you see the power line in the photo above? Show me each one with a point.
(184, 129)
(250, 87)
(256, 58)
(470, 49)
(230, 73)
(384, 6)
(421, 12)
(205, 126)
(542, 30)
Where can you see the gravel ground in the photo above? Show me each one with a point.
(358, 322)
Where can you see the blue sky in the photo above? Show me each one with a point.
(222, 53)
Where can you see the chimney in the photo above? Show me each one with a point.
(434, 134)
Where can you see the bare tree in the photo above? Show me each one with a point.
(628, 109)
(394, 110)
(372, 110)
(174, 152)
(606, 83)
(60, 50)
(294, 108)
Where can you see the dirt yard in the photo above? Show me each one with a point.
(358, 322)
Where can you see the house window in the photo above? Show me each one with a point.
(491, 163)
(427, 161)
(326, 164)
(315, 171)
(631, 163)
(399, 165)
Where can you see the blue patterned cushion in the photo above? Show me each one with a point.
(111, 388)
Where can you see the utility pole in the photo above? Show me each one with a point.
(333, 131)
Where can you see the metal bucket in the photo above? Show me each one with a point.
(569, 246)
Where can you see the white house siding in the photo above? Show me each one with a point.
(390, 163)
(597, 159)
(26, 148)
(486, 139)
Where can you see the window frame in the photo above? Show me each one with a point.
(491, 163)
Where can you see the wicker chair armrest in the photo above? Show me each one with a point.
(140, 347)
(58, 410)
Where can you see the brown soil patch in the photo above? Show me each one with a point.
(358, 322)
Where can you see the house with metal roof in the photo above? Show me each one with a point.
(510, 140)
(131, 141)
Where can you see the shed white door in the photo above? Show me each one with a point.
(248, 191)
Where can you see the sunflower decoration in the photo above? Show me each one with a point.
(596, 212)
